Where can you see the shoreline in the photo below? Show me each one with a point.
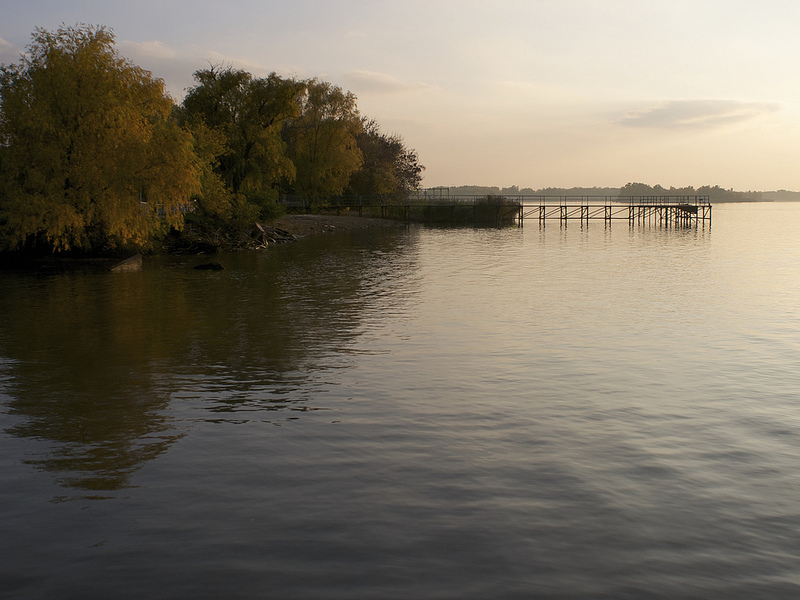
(285, 229)
(302, 225)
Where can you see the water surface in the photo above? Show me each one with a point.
(412, 413)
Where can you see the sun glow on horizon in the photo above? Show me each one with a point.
(534, 94)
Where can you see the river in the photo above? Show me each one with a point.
(412, 412)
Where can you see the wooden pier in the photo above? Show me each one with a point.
(665, 211)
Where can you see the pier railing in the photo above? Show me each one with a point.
(674, 210)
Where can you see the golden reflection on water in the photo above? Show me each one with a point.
(95, 359)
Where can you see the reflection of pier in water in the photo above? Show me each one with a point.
(668, 211)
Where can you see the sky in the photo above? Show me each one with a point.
(534, 93)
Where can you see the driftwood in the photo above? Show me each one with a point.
(273, 235)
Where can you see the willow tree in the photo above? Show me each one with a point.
(90, 156)
(248, 114)
(322, 141)
(389, 167)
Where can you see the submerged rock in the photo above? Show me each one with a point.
(134, 263)
(212, 266)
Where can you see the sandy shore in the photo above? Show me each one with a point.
(302, 225)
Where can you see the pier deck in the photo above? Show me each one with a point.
(686, 211)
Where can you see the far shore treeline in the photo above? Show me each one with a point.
(95, 156)
(715, 193)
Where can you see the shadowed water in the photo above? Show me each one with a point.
(412, 413)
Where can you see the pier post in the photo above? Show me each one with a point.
(667, 211)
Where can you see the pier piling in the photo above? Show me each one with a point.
(664, 211)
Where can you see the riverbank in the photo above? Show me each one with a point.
(287, 228)
(303, 225)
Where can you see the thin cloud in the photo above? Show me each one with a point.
(539, 92)
(372, 81)
(176, 66)
(696, 114)
(8, 52)
(158, 52)
(152, 49)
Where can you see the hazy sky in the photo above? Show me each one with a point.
(532, 93)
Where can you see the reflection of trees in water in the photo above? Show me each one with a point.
(285, 321)
(96, 357)
(99, 442)
(84, 348)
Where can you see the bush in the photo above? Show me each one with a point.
(266, 203)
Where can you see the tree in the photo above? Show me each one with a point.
(214, 200)
(641, 189)
(248, 113)
(389, 168)
(90, 156)
(322, 140)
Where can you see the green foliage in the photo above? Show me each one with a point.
(267, 204)
(214, 200)
(85, 138)
(322, 140)
(238, 120)
(94, 155)
(248, 114)
(388, 169)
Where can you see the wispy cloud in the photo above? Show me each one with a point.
(9, 53)
(176, 65)
(696, 114)
(381, 83)
(152, 49)
(173, 65)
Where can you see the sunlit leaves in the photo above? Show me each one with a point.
(322, 141)
(95, 155)
(90, 155)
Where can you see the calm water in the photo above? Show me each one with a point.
(412, 413)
